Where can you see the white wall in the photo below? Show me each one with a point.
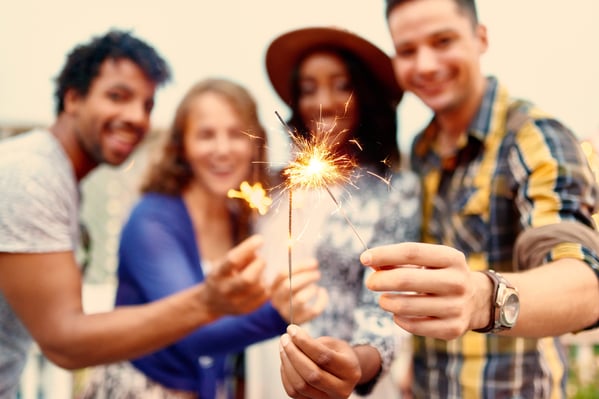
(542, 49)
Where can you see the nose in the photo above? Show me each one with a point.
(426, 61)
(222, 144)
(138, 115)
(325, 99)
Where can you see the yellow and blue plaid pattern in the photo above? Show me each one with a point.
(504, 179)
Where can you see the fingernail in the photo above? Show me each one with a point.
(284, 341)
(292, 330)
(366, 258)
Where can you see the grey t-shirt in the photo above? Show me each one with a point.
(39, 206)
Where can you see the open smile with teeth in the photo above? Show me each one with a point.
(126, 136)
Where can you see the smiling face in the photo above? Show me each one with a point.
(218, 150)
(438, 48)
(114, 116)
(325, 94)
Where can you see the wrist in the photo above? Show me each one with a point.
(504, 305)
(484, 297)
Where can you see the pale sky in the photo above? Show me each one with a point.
(544, 50)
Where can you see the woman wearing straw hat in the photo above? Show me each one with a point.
(340, 85)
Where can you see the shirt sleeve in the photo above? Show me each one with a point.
(36, 208)
(399, 221)
(556, 185)
(160, 262)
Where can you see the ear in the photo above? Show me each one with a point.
(483, 39)
(71, 100)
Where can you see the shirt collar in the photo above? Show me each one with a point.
(481, 124)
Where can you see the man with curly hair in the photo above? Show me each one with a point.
(105, 94)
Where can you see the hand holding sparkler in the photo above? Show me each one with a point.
(308, 298)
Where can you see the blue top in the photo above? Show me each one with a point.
(159, 256)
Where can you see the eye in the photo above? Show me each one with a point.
(116, 96)
(343, 85)
(307, 88)
(405, 52)
(443, 41)
(238, 134)
(204, 134)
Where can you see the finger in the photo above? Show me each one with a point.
(440, 282)
(254, 271)
(293, 359)
(304, 280)
(239, 256)
(412, 253)
(323, 355)
(306, 311)
(446, 329)
(423, 305)
(305, 265)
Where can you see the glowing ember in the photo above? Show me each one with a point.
(315, 164)
(254, 195)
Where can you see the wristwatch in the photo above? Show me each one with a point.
(505, 304)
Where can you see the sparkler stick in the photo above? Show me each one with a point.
(315, 165)
(346, 218)
(290, 257)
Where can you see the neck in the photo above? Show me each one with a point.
(205, 209)
(454, 122)
(65, 133)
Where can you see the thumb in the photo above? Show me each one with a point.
(240, 256)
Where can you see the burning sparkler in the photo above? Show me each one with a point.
(316, 165)
(255, 196)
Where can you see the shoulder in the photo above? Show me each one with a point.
(406, 184)
(34, 166)
(158, 203)
(535, 130)
(156, 209)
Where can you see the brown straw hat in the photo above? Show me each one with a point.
(285, 52)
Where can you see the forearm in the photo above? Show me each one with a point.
(233, 333)
(127, 332)
(557, 298)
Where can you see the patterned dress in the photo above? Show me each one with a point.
(373, 211)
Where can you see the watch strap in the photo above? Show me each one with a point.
(495, 280)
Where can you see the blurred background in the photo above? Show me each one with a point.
(544, 50)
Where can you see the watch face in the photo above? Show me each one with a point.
(511, 309)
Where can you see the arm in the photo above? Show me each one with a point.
(553, 186)
(458, 299)
(235, 333)
(45, 292)
(159, 258)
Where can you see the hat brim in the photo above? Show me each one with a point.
(284, 53)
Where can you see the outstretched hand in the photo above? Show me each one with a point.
(429, 288)
(235, 285)
(323, 367)
(308, 300)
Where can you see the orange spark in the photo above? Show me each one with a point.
(254, 195)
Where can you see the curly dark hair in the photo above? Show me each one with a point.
(84, 61)
(377, 115)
